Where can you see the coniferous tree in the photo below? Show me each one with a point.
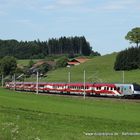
(41, 49)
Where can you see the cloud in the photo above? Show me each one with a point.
(63, 4)
(120, 5)
(23, 21)
(70, 2)
(49, 7)
(77, 6)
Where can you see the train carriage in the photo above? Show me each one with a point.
(105, 89)
(79, 88)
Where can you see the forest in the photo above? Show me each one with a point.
(40, 49)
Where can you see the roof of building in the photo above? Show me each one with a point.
(80, 60)
(38, 63)
(73, 63)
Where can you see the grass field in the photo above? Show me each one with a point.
(98, 69)
(26, 116)
(25, 62)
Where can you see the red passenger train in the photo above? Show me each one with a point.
(89, 89)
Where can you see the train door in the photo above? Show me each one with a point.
(126, 89)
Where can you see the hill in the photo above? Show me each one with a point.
(38, 117)
(98, 69)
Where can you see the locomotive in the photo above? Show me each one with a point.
(87, 89)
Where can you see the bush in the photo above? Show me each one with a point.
(62, 62)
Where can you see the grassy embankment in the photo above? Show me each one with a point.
(98, 69)
(38, 117)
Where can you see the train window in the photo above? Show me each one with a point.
(104, 88)
(107, 88)
(111, 88)
(136, 87)
(115, 88)
(40, 85)
(129, 87)
(118, 88)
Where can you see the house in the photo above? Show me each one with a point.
(76, 61)
(37, 65)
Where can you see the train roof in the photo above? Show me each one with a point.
(79, 83)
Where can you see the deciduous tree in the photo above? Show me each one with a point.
(134, 36)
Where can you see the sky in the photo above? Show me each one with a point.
(104, 23)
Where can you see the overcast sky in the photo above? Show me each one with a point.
(104, 23)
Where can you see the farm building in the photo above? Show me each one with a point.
(76, 61)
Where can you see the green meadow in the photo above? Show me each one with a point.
(98, 69)
(27, 116)
(25, 62)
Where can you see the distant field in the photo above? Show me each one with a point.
(98, 69)
(38, 117)
(25, 62)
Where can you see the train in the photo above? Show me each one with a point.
(87, 89)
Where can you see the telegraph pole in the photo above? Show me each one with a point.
(37, 82)
(123, 76)
(2, 83)
(84, 83)
(14, 80)
(69, 77)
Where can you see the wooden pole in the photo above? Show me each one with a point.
(84, 83)
(37, 82)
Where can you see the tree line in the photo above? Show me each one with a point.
(41, 49)
(129, 59)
